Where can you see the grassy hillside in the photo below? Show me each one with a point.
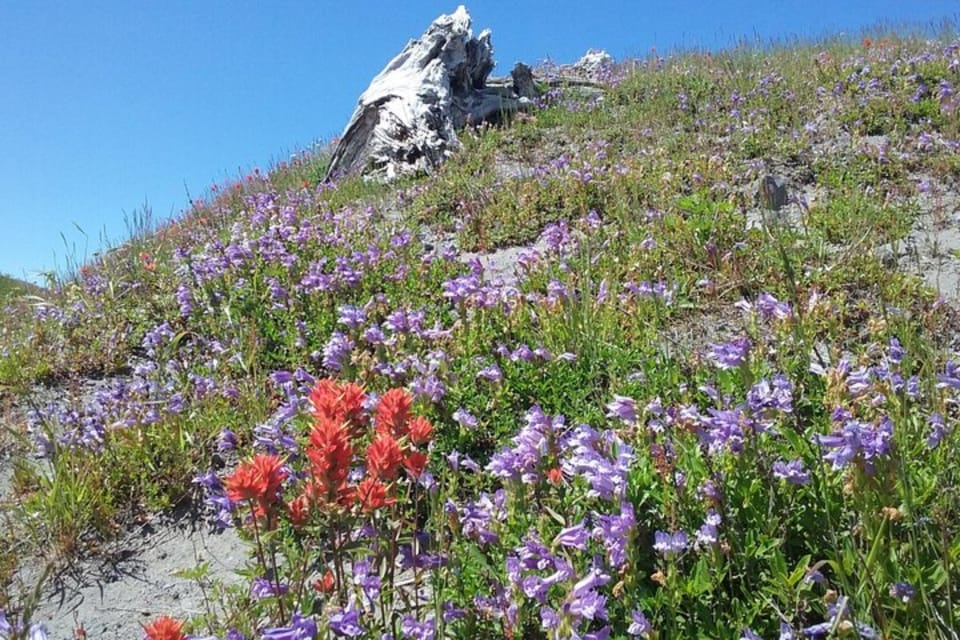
(12, 288)
(686, 415)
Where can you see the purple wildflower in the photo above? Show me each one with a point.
(465, 419)
(771, 308)
(615, 531)
(602, 459)
(575, 536)
(346, 623)
(903, 591)
(793, 471)
(950, 378)
(855, 438)
(639, 625)
(300, 628)
(265, 588)
(350, 316)
(337, 349)
(227, 440)
(491, 373)
(670, 544)
(708, 534)
(624, 408)
(839, 613)
(184, 300)
(368, 581)
(416, 630)
(522, 461)
(939, 429)
(729, 355)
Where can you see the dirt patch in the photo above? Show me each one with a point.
(135, 580)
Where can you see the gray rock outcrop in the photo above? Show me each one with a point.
(406, 120)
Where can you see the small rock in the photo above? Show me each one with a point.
(772, 193)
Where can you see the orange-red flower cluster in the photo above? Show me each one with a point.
(340, 428)
(257, 480)
(330, 453)
(393, 413)
(384, 457)
(372, 494)
(147, 261)
(165, 628)
(340, 403)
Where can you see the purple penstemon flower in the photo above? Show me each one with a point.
(729, 355)
(602, 459)
(413, 629)
(575, 536)
(950, 378)
(670, 544)
(477, 518)
(346, 622)
(793, 471)
(10, 629)
(708, 535)
(465, 419)
(858, 439)
(938, 430)
(522, 461)
(350, 316)
(491, 373)
(903, 591)
(639, 625)
(771, 396)
(839, 613)
(266, 588)
(337, 351)
(623, 408)
(615, 532)
(771, 308)
(367, 580)
(300, 628)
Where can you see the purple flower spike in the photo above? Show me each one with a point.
(575, 536)
(300, 629)
(670, 544)
(346, 623)
(639, 625)
(623, 408)
(793, 472)
(730, 355)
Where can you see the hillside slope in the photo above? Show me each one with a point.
(672, 360)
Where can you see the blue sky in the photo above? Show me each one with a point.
(107, 106)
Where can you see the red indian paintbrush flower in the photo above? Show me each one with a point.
(415, 463)
(420, 430)
(299, 510)
(384, 457)
(339, 403)
(165, 628)
(352, 397)
(330, 454)
(256, 479)
(393, 412)
(326, 584)
(372, 494)
(323, 398)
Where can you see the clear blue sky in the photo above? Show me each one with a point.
(107, 105)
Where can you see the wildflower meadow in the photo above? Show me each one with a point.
(580, 382)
